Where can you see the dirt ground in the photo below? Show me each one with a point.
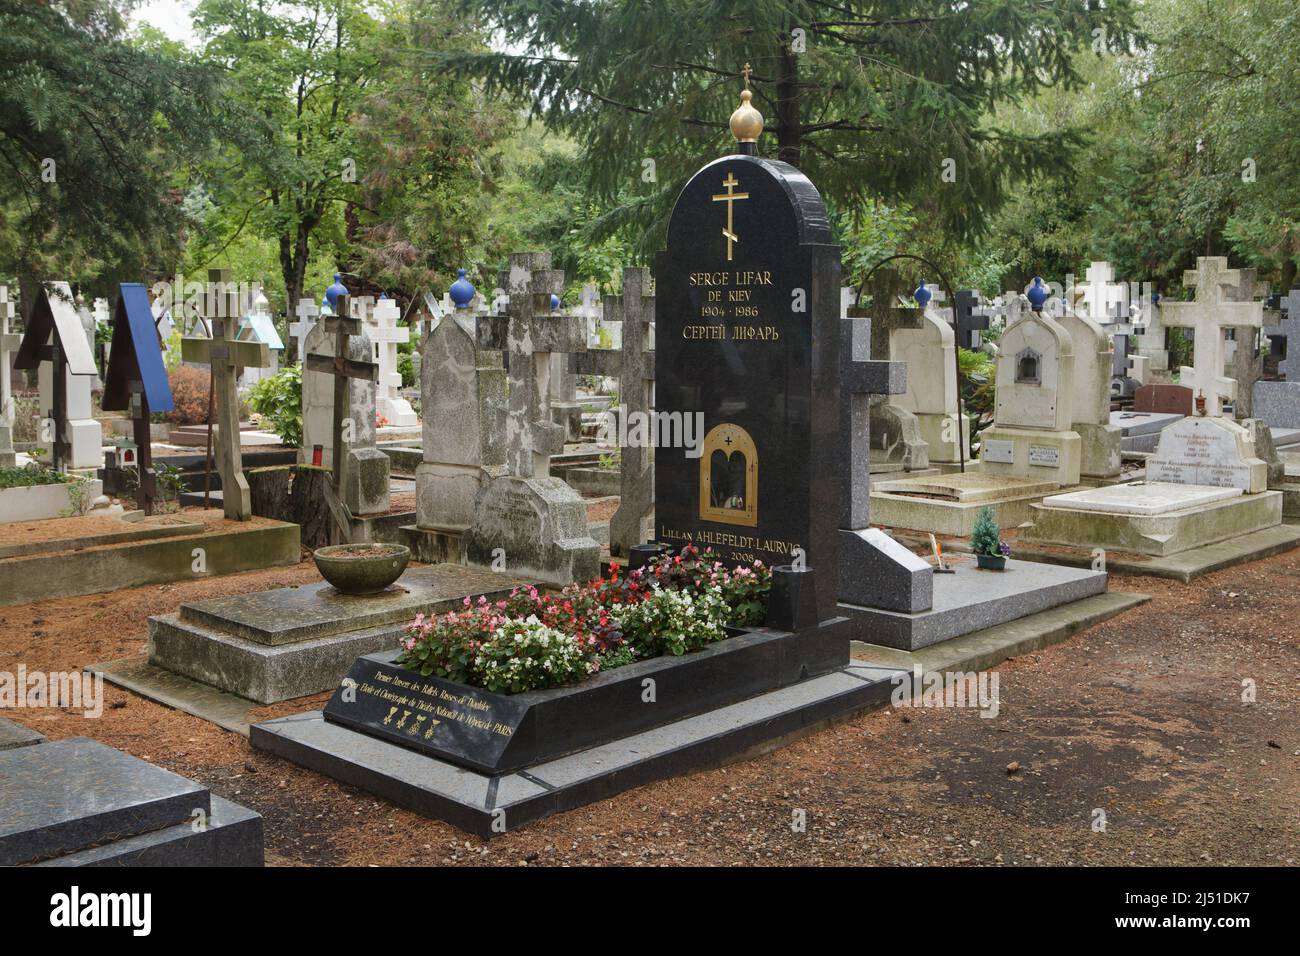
(1141, 718)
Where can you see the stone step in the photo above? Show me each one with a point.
(62, 797)
(232, 836)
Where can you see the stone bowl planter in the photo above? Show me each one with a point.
(361, 568)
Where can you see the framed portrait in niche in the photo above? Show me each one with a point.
(729, 476)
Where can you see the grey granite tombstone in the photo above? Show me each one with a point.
(874, 570)
(1277, 404)
(463, 407)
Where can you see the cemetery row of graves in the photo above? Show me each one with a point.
(597, 546)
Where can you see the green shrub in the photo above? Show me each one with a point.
(278, 399)
(26, 477)
(985, 536)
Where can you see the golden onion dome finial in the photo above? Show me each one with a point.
(746, 121)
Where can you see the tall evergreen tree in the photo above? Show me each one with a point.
(881, 98)
(91, 129)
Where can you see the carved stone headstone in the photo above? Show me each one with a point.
(527, 522)
(747, 309)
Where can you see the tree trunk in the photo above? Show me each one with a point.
(309, 509)
(293, 268)
(789, 122)
(269, 492)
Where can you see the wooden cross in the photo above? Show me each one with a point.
(343, 325)
(227, 355)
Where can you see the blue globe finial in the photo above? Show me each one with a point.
(337, 289)
(922, 295)
(555, 302)
(1037, 294)
(462, 292)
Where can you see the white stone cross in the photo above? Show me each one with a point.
(387, 335)
(1213, 311)
(304, 322)
(1102, 294)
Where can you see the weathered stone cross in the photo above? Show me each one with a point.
(633, 366)
(227, 355)
(1211, 313)
(529, 334)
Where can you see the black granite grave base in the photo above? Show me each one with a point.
(495, 733)
(489, 805)
(78, 802)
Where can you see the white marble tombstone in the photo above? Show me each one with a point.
(1090, 398)
(1031, 436)
(930, 354)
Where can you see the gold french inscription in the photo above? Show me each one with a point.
(419, 699)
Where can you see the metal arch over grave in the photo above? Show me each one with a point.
(136, 379)
(226, 356)
(55, 335)
(747, 302)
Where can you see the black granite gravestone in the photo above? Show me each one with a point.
(747, 312)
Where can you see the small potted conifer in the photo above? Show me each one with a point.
(986, 541)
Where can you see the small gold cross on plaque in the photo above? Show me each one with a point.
(729, 197)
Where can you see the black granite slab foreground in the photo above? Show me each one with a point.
(287, 615)
(495, 733)
(78, 802)
(490, 805)
(233, 836)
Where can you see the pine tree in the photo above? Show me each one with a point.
(91, 129)
(986, 537)
(870, 99)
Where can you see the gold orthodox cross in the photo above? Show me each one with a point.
(729, 197)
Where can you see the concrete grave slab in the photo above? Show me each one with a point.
(1141, 498)
(291, 642)
(1163, 533)
(968, 487)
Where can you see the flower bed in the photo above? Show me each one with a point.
(530, 640)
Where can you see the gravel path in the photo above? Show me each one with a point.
(1141, 718)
